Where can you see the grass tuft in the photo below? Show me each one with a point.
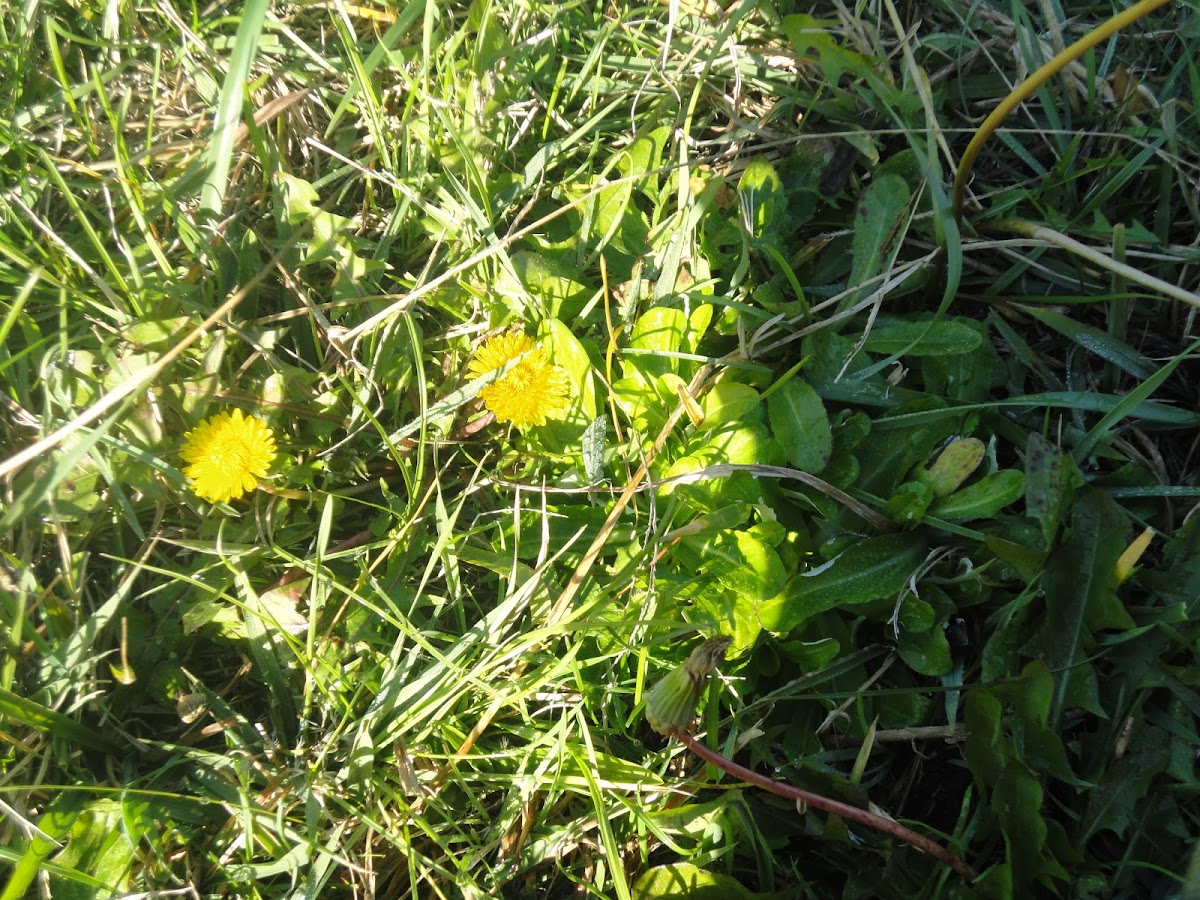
(927, 470)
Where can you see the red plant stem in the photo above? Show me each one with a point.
(851, 813)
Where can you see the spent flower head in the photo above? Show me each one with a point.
(671, 704)
(529, 393)
(227, 453)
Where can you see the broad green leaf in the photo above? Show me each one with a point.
(803, 176)
(565, 350)
(892, 448)
(916, 615)
(908, 503)
(877, 231)
(728, 401)
(685, 881)
(806, 34)
(722, 241)
(1082, 689)
(741, 572)
(983, 499)
(1116, 801)
(810, 656)
(1017, 802)
(870, 569)
(692, 819)
(674, 481)
(922, 337)
(746, 626)
(984, 748)
(965, 377)
(1027, 561)
(1079, 586)
(638, 399)
(78, 496)
(743, 564)
(279, 608)
(826, 354)
(1031, 694)
(1037, 745)
(614, 217)
(557, 293)
(300, 198)
(956, 463)
(219, 613)
(849, 430)
(996, 883)
(517, 573)
(156, 334)
(1191, 881)
(842, 471)
(770, 531)
(672, 388)
(798, 418)
(927, 652)
(747, 444)
(724, 519)
(334, 238)
(99, 846)
(698, 322)
(737, 446)
(613, 769)
(763, 202)
(592, 448)
(492, 43)
(910, 166)
(659, 330)
(1047, 484)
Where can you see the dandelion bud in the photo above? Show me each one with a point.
(671, 704)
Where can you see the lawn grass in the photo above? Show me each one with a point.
(931, 474)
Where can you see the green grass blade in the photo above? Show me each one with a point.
(1128, 405)
(55, 724)
(229, 108)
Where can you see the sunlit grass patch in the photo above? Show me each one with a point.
(393, 396)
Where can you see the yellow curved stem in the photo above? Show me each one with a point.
(1022, 91)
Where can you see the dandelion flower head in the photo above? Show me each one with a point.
(529, 393)
(227, 453)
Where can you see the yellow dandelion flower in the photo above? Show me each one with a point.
(529, 393)
(228, 453)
